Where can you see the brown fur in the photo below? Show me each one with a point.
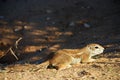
(66, 57)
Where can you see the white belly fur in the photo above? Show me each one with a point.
(76, 60)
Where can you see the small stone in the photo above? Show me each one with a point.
(86, 25)
(25, 27)
(48, 18)
(71, 24)
(49, 11)
(53, 22)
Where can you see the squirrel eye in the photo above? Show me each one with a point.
(96, 47)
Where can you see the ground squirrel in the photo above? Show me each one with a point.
(66, 57)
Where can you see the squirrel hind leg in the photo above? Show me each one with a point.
(63, 66)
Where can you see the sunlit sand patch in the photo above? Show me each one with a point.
(32, 48)
(11, 36)
(49, 28)
(38, 32)
(6, 30)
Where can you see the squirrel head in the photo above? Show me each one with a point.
(95, 49)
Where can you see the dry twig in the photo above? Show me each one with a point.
(16, 46)
(16, 43)
(13, 53)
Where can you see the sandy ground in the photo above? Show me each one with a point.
(47, 26)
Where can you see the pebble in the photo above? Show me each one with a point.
(72, 24)
(53, 22)
(49, 11)
(86, 25)
(48, 18)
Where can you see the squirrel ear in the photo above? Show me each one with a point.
(90, 47)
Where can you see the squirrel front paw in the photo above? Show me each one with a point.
(91, 60)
